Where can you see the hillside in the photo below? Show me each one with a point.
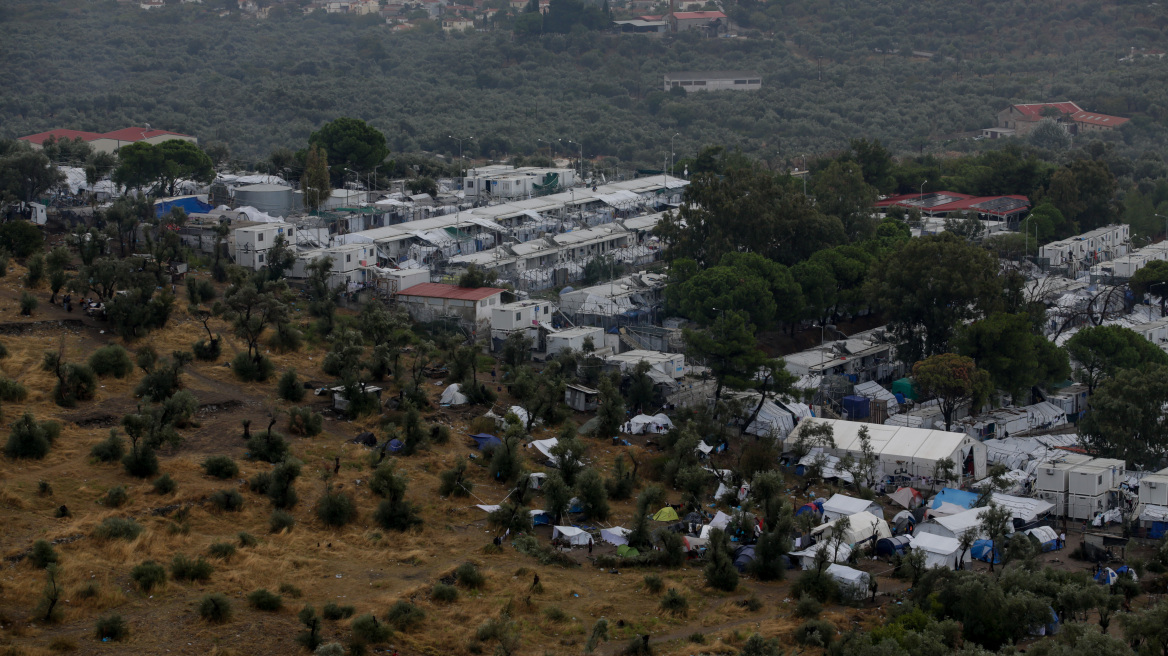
(258, 85)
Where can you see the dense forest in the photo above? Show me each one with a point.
(832, 71)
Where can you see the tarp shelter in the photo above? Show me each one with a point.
(617, 535)
(1024, 508)
(903, 521)
(395, 445)
(875, 391)
(1107, 576)
(641, 424)
(853, 583)
(453, 396)
(694, 544)
(955, 526)
(572, 535)
(983, 550)
(743, 556)
(773, 420)
(721, 520)
(535, 480)
(907, 497)
(950, 502)
(904, 387)
(829, 466)
(939, 551)
(545, 448)
(520, 413)
(814, 507)
(807, 556)
(904, 452)
(485, 441)
(1046, 536)
(666, 514)
(541, 517)
(1015, 480)
(861, 526)
(487, 508)
(841, 505)
(888, 546)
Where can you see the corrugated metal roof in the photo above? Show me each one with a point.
(440, 290)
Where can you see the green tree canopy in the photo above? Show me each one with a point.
(350, 144)
(1126, 418)
(1005, 346)
(953, 380)
(1152, 280)
(1100, 351)
(163, 165)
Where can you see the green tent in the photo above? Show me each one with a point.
(666, 514)
(904, 387)
(625, 551)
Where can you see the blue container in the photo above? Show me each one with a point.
(856, 407)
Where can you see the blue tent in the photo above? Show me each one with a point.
(395, 445)
(956, 497)
(982, 549)
(815, 507)
(485, 441)
(190, 204)
(541, 518)
(743, 557)
(894, 545)
(1106, 576)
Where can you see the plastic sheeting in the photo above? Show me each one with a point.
(862, 526)
(772, 420)
(939, 551)
(853, 584)
(649, 424)
(874, 390)
(616, 535)
(572, 535)
(807, 556)
(453, 396)
(841, 505)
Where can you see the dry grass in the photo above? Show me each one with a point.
(361, 565)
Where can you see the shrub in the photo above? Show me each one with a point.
(75, 382)
(555, 614)
(815, 633)
(756, 645)
(310, 637)
(221, 467)
(115, 497)
(88, 591)
(336, 509)
(112, 528)
(111, 627)
(331, 649)
(280, 489)
(332, 611)
(817, 585)
(141, 462)
(469, 576)
(111, 449)
(393, 515)
(404, 616)
(751, 603)
(260, 483)
(208, 351)
(281, 520)
(42, 554)
(164, 484)
(247, 539)
(439, 434)
(252, 371)
(44, 488)
(228, 500)
(289, 590)
(262, 599)
(368, 631)
(268, 446)
(222, 550)
(183, 568)
(289, 387)
(111, 360)
(215, 608)
(30, 438)
(28, 304)
(12, 391)
(653, 583)
(36, 269)
(303, 421)
(444, 593)
(674, 603)
(148, 575)
(697, 638)
(808, 607)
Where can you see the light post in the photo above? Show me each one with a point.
(461, 168)
(551, 148)
(580, 160)
(1165, 224)
(675, 135)
(804, 174)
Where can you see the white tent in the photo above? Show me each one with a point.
(874, 390)
(807, 556)
(617, 535)
(487, 508)
(535, 479)
(829, 464)
(772, 421)
(703, 449)
(853, 584)
(1024, 508)
(545, 447)
(955, 526)
(939, 551)
(519, 412)
(572, 535)
(862, 526)
(453, 396)
(658, 423)
(721, 520)
(841, 505)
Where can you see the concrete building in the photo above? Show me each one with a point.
(669, 364)
(641, 26)
(581, 398)
(433, 301)
(712, 23)
(1088, 249)
(457, 24)
(253, 242)
(500, 181)
(714, 80)
(573, 339)
(1022, 119)
(108, 142)
(626, 301)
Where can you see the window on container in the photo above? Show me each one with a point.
(755, 82)
(261, 257)
(687, 84)
(518, 316)
(739, 81)
(700, 83)
(260, 237)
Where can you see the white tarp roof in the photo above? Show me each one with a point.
(1043, 533)
(487, 508)
(831, 465)
(852, 582)
(453, 395)
(545, 447)
(862, 526)
(771, 420)
(1152, 513)
(617, 535)
(807, 556)
(939, 551)
(903, 450)
(641, 423)
(874, 390)
(704, 448)
(1024, 508)
(957, 525)
(841, 505)
(720, 520)
(572, 535)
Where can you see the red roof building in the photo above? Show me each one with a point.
(939, 203)
(431, 301)
(1092, 122)
(712, 22)
(109, 141)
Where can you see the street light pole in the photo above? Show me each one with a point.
(804, 174)
(1165, 224)
(461, 166)
(675, 135)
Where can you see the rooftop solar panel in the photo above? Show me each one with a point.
(1002, 204)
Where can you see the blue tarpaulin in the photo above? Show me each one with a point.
(815, 507)
(485, 441)
(982, 549)
(956, 497)
(190, 204)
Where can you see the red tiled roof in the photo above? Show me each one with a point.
(439, 290)
(692, 15)
(1098, 119)
(138, 134)
(951, 201)
(60, 134)
(650, 18)
(1034, 110)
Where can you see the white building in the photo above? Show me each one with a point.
(714, 81)
(433, 301)
(499, 181)
(253, 242)
(1088, 249)
(669, 364)
(574, 338)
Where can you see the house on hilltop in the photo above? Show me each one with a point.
(108, 142)
(1022, 119)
